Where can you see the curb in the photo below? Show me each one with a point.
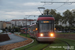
(24, 45)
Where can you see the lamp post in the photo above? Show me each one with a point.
(26, 25)
(26, 22)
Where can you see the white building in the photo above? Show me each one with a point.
(22, 22)
(66, 24)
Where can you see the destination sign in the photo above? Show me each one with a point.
(45, 21)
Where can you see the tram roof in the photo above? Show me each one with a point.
(45, 16)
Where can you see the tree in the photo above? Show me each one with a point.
(68, 17)
(57, 16)
(73, 13)
(51, 12)
(45, 11)
(6, 28)
(9, 28)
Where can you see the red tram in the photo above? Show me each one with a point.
(43, 30)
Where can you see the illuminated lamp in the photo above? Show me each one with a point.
(41, 34)
(51, 34)
(36, 28)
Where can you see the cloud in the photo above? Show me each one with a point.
(16, 15)
(72, 0)
(23, 13)
(8, 17)
(32, 4)
(14, 9)
(33, 13)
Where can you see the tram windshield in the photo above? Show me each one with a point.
(46, 27)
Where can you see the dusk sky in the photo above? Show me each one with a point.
(17, 9)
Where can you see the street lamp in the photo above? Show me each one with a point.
(26, 25)
(26, 22)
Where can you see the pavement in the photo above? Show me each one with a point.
(13, 39)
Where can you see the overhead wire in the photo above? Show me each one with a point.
(47, 3)
(66, 2)
(61, 5)
(40, 10)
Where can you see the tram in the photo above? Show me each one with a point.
(43, 29)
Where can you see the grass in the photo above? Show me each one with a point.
(71, 42)
(65, 33)
(38, 47)
(57, 43)
(61, 44)
(25, 35)
(23, 48)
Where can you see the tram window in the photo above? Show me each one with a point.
(45, 27)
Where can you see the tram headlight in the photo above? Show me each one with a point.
(51, 34)
(41, 34)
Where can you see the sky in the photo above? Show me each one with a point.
(18, 9)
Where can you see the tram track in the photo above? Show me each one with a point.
(30, 46)
(49, 43)
(68, 48)
(38, 43)
(67, 44)
(45, 47)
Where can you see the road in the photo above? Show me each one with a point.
(13, 39)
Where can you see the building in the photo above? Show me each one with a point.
(7, 24)
(22, 22)
(4, 24)
(1, 24)
(63, 24)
